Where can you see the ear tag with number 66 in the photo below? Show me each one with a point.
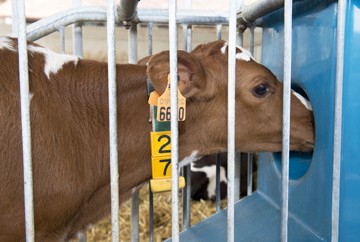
(163, 108)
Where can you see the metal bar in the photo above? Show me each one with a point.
(132, 44)
(127, 11)
(237, 179)
(78, 51)
(51, 24)
(150, 38)
(218, 31)
(252, 40)
(183, 16)
(132, 53)
(187, 30)
(231, 121)
(250, 156)
(151, 215)
(77, 34)
(218, 161)
(174, 121)
(187, 198)
(151, 196)
(240, 37)
(135, 217)
(14, 18)
(340, 42)
(258, 9)
(250, 173)
(25, 122)
(218, 188)
(62, 39)
(114, 166)
(286, 121)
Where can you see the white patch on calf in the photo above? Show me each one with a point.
(245, 55)
(303, 100)
(189, 159)
(53, 61)
(223, 49)
(210, 172)
(6, 43)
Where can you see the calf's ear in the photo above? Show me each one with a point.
(192, 80)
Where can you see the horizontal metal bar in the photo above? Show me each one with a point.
(184, 16)
(51, 24)
(260, 8)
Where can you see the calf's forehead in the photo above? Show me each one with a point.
(253, 71)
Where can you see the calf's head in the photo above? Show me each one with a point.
(203, 81)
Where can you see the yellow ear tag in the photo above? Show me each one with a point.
(163, 114)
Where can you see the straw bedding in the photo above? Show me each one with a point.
(162, 218)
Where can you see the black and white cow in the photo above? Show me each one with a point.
(203, 177)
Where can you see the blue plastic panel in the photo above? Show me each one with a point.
(313, 69)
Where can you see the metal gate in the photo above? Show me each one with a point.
(237, 19)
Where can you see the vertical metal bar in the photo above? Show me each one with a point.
(231, 121)
(250, 155)
(135, 217)
(14, 18)
(187, 169)
(218, 188)
(218, 161)
(25, 122)
(132, 52)
(78, 51)
(250, 173)
(151, 195)
(150, 38)
(252, 40)
(237, 179)
(77, 34)
(218, 31)
(114, 166)
(340, 42)
(286, 121)
(151, 215)
(187, 198)
(62, 39)
(174, 120)
(132, 44)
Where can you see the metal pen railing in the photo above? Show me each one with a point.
(340, 43)
(98, 14)
(114, 165)
(25, 122)
(231, 122)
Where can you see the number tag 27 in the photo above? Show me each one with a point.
(161, 154)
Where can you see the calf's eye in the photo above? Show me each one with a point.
(261, 90)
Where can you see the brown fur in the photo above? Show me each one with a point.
(69, 120)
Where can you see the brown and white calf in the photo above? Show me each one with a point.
(69, 121)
